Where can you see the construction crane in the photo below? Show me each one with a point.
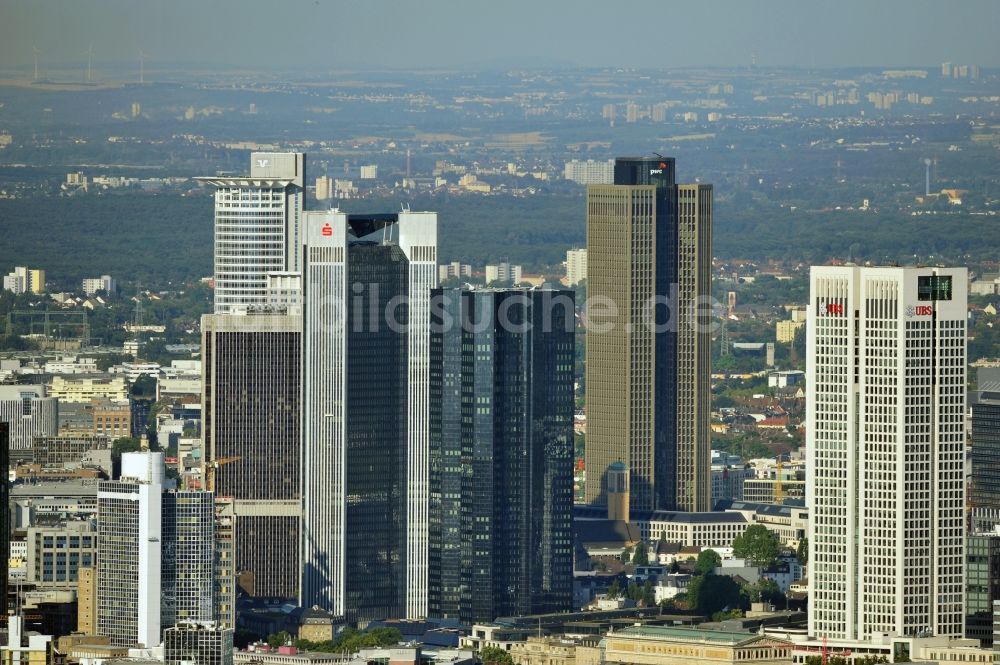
(210, 468)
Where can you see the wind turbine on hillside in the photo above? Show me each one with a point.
(90, 59)
(142, 66)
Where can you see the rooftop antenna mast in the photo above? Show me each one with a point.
(35, 50)
(142, 66)
(927, 176)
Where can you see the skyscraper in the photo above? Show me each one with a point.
(501, 491)
(985, 451)
(130, 530)
(251, 413)
(258, 221)
(366, 283)
(5, 525)
(885, 440)
(155, 556)
(649, 253)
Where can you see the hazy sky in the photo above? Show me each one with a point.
(333, 34)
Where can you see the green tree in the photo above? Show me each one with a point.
(708, 594)
(275, 640)
(757, 545)
(626, 555)
(648, 594)
(495, 656)
(641, 555)
(707, 562)
(615, 590)
(126, 444)
(802, 551)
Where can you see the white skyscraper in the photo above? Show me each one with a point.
(885, 439)
(258, 221)
(155, 553)
(340, 303)
(130, 532)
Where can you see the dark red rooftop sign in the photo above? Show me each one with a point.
(835, 308)
(327, 230)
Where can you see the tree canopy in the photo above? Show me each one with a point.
(757, 545)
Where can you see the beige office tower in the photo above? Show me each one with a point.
(648, 269)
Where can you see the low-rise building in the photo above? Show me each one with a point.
(668, 645)
(85, 389)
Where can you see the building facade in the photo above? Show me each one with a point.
(985, 451)
(188, 557)
(590, 172)
(649, 256)
(885, 440)
(576, 266)
(6, 516)
(367, 283)
(258, 221)
(105, 283)
(56, 553)
(251, 419)
(197, 642)
(29, 414)
(501, 490)
(25, 280)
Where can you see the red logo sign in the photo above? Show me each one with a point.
(327, 230)
(835, 308)
(923, 310)
(663, 165)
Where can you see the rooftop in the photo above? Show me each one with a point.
(678, 634)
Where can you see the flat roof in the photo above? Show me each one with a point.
(687, 634)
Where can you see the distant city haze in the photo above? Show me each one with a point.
(474, 34)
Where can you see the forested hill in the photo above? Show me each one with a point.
(168, 238)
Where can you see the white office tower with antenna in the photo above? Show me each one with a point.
(258, 220)
(885, 442)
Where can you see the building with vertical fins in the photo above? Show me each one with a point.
(155, 553)
(258, 227)
(366, 314)
(885, 442)
(649, 253)
(5, 524)
(251, 420)
(501, 493)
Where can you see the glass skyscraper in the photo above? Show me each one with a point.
(501, 453)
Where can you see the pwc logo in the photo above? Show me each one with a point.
(327, 230)
(663, 165)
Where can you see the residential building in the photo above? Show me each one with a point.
(197, 642)
(454, 269)
(30, 413)
(785, 331)
(369, 172)
(576, 266)
(649, 252)
(590, 172)
(105, 283)
(501, 492)
(365, 429)
(258, 222)
(25, 280)
(885, 441)
(503, 272)
(251, 419)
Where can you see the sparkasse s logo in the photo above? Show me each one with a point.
(327, 230)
